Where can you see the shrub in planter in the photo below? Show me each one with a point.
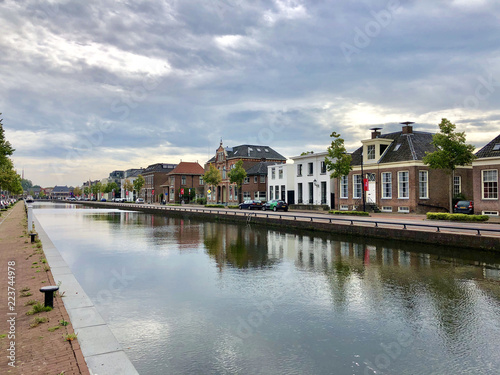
(353, 213)
(455, 217)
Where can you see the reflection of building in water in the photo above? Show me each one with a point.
(491, 273)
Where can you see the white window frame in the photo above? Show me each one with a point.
(344, 187)
(401, 185)
(457, 187)
(404, 209)
(255, 179)
(483, 181)
(299, 170)
(386, 209)
(273, 174)
(370, 152)
(423, 184)
(344, 207)
(357, 186)
(387, 185)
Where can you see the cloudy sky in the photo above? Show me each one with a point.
(95, 86)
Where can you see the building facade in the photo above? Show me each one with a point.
(225, 159)
(485, 171)
(130, 175)
(184, 183)
(389, 171)
(155, 176)
(313, 185)
(281, 182)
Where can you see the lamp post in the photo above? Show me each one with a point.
(363, 184)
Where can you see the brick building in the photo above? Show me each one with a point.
(183, 183)
(225, 160)
(485, 171)
(155, 175)
(397, 178)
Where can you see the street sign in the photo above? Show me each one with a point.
(209, 191)
(182, 191)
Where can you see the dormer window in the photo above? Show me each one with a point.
(370, 152)
(220, 156)
(496, 147)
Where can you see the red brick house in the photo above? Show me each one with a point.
(485, 171)
(397, 178)
(187, 176)
(254, 162)
(155, 175)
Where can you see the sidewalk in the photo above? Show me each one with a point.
(36, 349)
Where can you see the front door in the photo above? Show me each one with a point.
(371, 194)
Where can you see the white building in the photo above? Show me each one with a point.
(280, 182)
(130, 175)
(313, 185)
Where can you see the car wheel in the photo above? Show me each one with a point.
(286, 209)
(275, 209)
(263, 208)
(240, 207)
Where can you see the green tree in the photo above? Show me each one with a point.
(212, 177)
(9, 179)
(138, 184)
(77, 191)
(451, 152)
(127, 186)
(237, 175)
(306, 153)
(337, 160)
(86, 191)
(26, 184)
(6, 149)
(95, 189)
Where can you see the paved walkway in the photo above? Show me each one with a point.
(37, 350)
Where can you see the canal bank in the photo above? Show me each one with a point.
(461, 235)
(35, 343)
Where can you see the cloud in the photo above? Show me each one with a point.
(129, 84)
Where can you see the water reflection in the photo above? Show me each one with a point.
(208, 297)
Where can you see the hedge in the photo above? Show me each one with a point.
(456, 217)
(354, 213)
(215, 206)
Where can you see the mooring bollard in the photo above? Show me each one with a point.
(33, 237)
(49, 294)
(30, 217)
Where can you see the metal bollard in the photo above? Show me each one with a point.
(49, 294)
(30, 217)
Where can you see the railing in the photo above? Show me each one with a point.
(318, 219)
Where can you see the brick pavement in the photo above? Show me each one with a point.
(37, 350)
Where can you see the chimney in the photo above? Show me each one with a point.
(375, 132)
(407, 128)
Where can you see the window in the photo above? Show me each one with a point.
(386, 185)
(386, 209)
(247, 180)
(310, 169)
(283, 192)
(496, 147)
(403, 185)
(299, 170)
(273, 173)
(255, 179)
(370, 154)
(220, 156)
(276, 192)
(344, 207)
(201, 181)
(357, 186)
(323, 167)
(457, 185)
(172, 194)
(323, 192)
(183, 180)
(224, 172)
(344, 187)
(172, 180)
(423, 184)
(271, 193)
(299, 193)
(490, 184)
(280, 173)
(404, 209)
(311, 192)
(246, 195)
(397, 147)
(263, 179)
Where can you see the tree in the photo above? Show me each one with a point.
(212, 177)
(139, 183)
(451, 152)
(86, 191)
(127, 186)
(338, 161)
(77, 191)
(27, 184)
(237, 175)
(6, 149)
(9, 179)
(95, 189)
(306, 153)
(111, 186)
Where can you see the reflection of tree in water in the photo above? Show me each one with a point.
(237, 246)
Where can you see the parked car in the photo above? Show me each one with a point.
(250, 204)
(139, 200)
(464, 207)
(275, 205)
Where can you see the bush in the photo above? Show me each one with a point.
(215, 206)
(353, 213)
(233, 206)
(456, 217)
(201, 200)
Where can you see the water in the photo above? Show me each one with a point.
(188, 297)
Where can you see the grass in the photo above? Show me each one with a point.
(3, 336)
(52, 329)
(38, 308)
(26, 294)
(43, 260)
(46, 268)
(25, 289)
(36, 321)
(70, 336)
(63, 322)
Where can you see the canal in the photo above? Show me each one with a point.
(191, 297)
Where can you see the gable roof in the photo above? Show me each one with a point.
(260, 168)
(251, 152)
(188, 168)
(159, 167)
(60, 189)
(488, 150)
(411, 147)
